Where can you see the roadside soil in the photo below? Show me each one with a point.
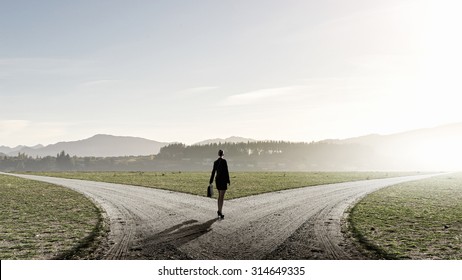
(305, 223)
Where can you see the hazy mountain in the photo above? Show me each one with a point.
(437, 148)
(4, 149)
(232, 139)
(39, 146)
(435, 135)
(14, 151)
(99, 146)
(8, 150)
(428, 148)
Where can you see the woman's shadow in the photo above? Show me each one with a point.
(164, 245)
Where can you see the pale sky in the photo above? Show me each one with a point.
(192, 70)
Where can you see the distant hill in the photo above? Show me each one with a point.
(436, 135)
(424, 149)
(437, 148)
(8, 150)
(232, 139)
(99, 146)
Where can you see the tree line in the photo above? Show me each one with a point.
(251, 156)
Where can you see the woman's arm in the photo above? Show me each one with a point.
(227, 173)
(214, 169)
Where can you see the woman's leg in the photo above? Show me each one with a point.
(221, 197)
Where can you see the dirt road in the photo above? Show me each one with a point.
(303, 223)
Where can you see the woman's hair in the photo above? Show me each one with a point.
(220, 153)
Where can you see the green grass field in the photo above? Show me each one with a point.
(242, 183)
(415, 220)
(44, 221)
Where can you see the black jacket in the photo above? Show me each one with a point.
(220, 166)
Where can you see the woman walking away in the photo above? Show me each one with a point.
(222, 180)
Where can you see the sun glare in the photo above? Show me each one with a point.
(438, 156)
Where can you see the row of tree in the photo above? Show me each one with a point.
(64, 162)
(276, 155)
(252, 156)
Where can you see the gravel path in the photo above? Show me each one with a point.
(302, 223)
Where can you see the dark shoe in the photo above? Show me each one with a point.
(220, 215)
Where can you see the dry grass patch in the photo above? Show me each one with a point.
(414, 220)
(44, 221)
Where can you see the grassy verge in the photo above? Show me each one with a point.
(44, 221)
(242, 183)
(415, 220)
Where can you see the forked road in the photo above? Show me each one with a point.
(302, 223)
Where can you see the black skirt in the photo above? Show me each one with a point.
(222, 186)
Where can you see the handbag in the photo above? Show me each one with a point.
(210, 190)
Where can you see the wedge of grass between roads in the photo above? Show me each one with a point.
(414, 220)
(242, 183)
(44, 221)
